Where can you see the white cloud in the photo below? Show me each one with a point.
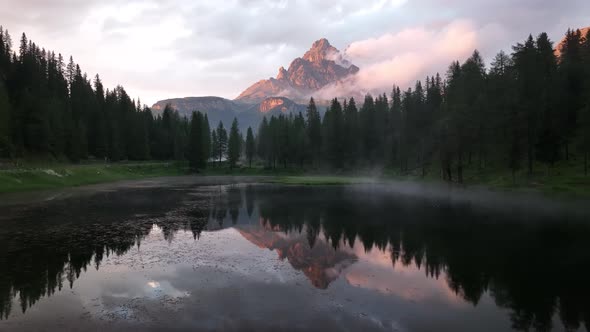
(404, 57)
(168, 48)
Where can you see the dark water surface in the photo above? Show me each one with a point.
(265, 258)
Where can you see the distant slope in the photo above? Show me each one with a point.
(224, 110)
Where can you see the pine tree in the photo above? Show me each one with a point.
(214, 145)
(549, 140)
(221, 146)
(314, 131)
(195, 144)
(234, 148)
(367, 134)
(297, 139)
(250, 146)
(333, 133)
(206, 139)
(584, 125)
(351, 132)
(98, 132)
(395, 125)
(509, 118)
(473, 90)
(5, 122)
(525, 63)
(571, 73)
(264, 138)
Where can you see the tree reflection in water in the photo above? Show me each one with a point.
(535, 266)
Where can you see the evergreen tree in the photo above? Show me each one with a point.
(214, 145)
(584, 126)
(97, 134)
(458, 120)
(473, 91)
(5, 135)
(368, 134)
(250, 146)
(509, 117)
(234, 148)
(297, 139)
(333, 133)
(264, 141)
(395, 126)
(221, 144)
(351, 132)
(195, 145)
(525, 59)
(314, 131)
(206, 139)
(571, 71)
(549, 140)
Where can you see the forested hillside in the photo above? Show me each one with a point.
(529, 107)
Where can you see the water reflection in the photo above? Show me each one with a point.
(535, 267)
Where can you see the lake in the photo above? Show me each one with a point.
(261, 257)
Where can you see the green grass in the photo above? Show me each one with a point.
(565, 179)
(49, 176)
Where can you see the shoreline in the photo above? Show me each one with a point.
(47, 178)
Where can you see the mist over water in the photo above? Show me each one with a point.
(376, 256)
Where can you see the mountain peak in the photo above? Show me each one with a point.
(282, 73)
(321, 65)
(320, 50)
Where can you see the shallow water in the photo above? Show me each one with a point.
(268, 257)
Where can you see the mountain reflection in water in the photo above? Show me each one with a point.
(536, 267)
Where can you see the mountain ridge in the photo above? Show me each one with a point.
(321, 65)
(288, 92)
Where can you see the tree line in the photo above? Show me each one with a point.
(50, 109)
(531, 106)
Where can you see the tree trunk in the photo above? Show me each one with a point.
(530, 158)
(586, 163)
(460, 169)
(449, 172)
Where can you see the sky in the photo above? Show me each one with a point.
(178, 48)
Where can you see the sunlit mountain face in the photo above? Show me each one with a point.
(376, 258)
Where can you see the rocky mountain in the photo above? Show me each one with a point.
(584, 31)
(320, 263)
(321, 65)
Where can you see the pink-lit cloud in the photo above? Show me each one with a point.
(402, 58)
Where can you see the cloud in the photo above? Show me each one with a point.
(404, 57)
(168, 48)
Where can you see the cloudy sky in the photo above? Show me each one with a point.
(176, 48)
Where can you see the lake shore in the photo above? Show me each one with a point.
(564, 183)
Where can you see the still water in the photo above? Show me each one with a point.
(267, 257)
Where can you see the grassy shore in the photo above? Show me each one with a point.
(565, 179)
(51, 176)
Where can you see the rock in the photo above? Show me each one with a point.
(323, 64)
